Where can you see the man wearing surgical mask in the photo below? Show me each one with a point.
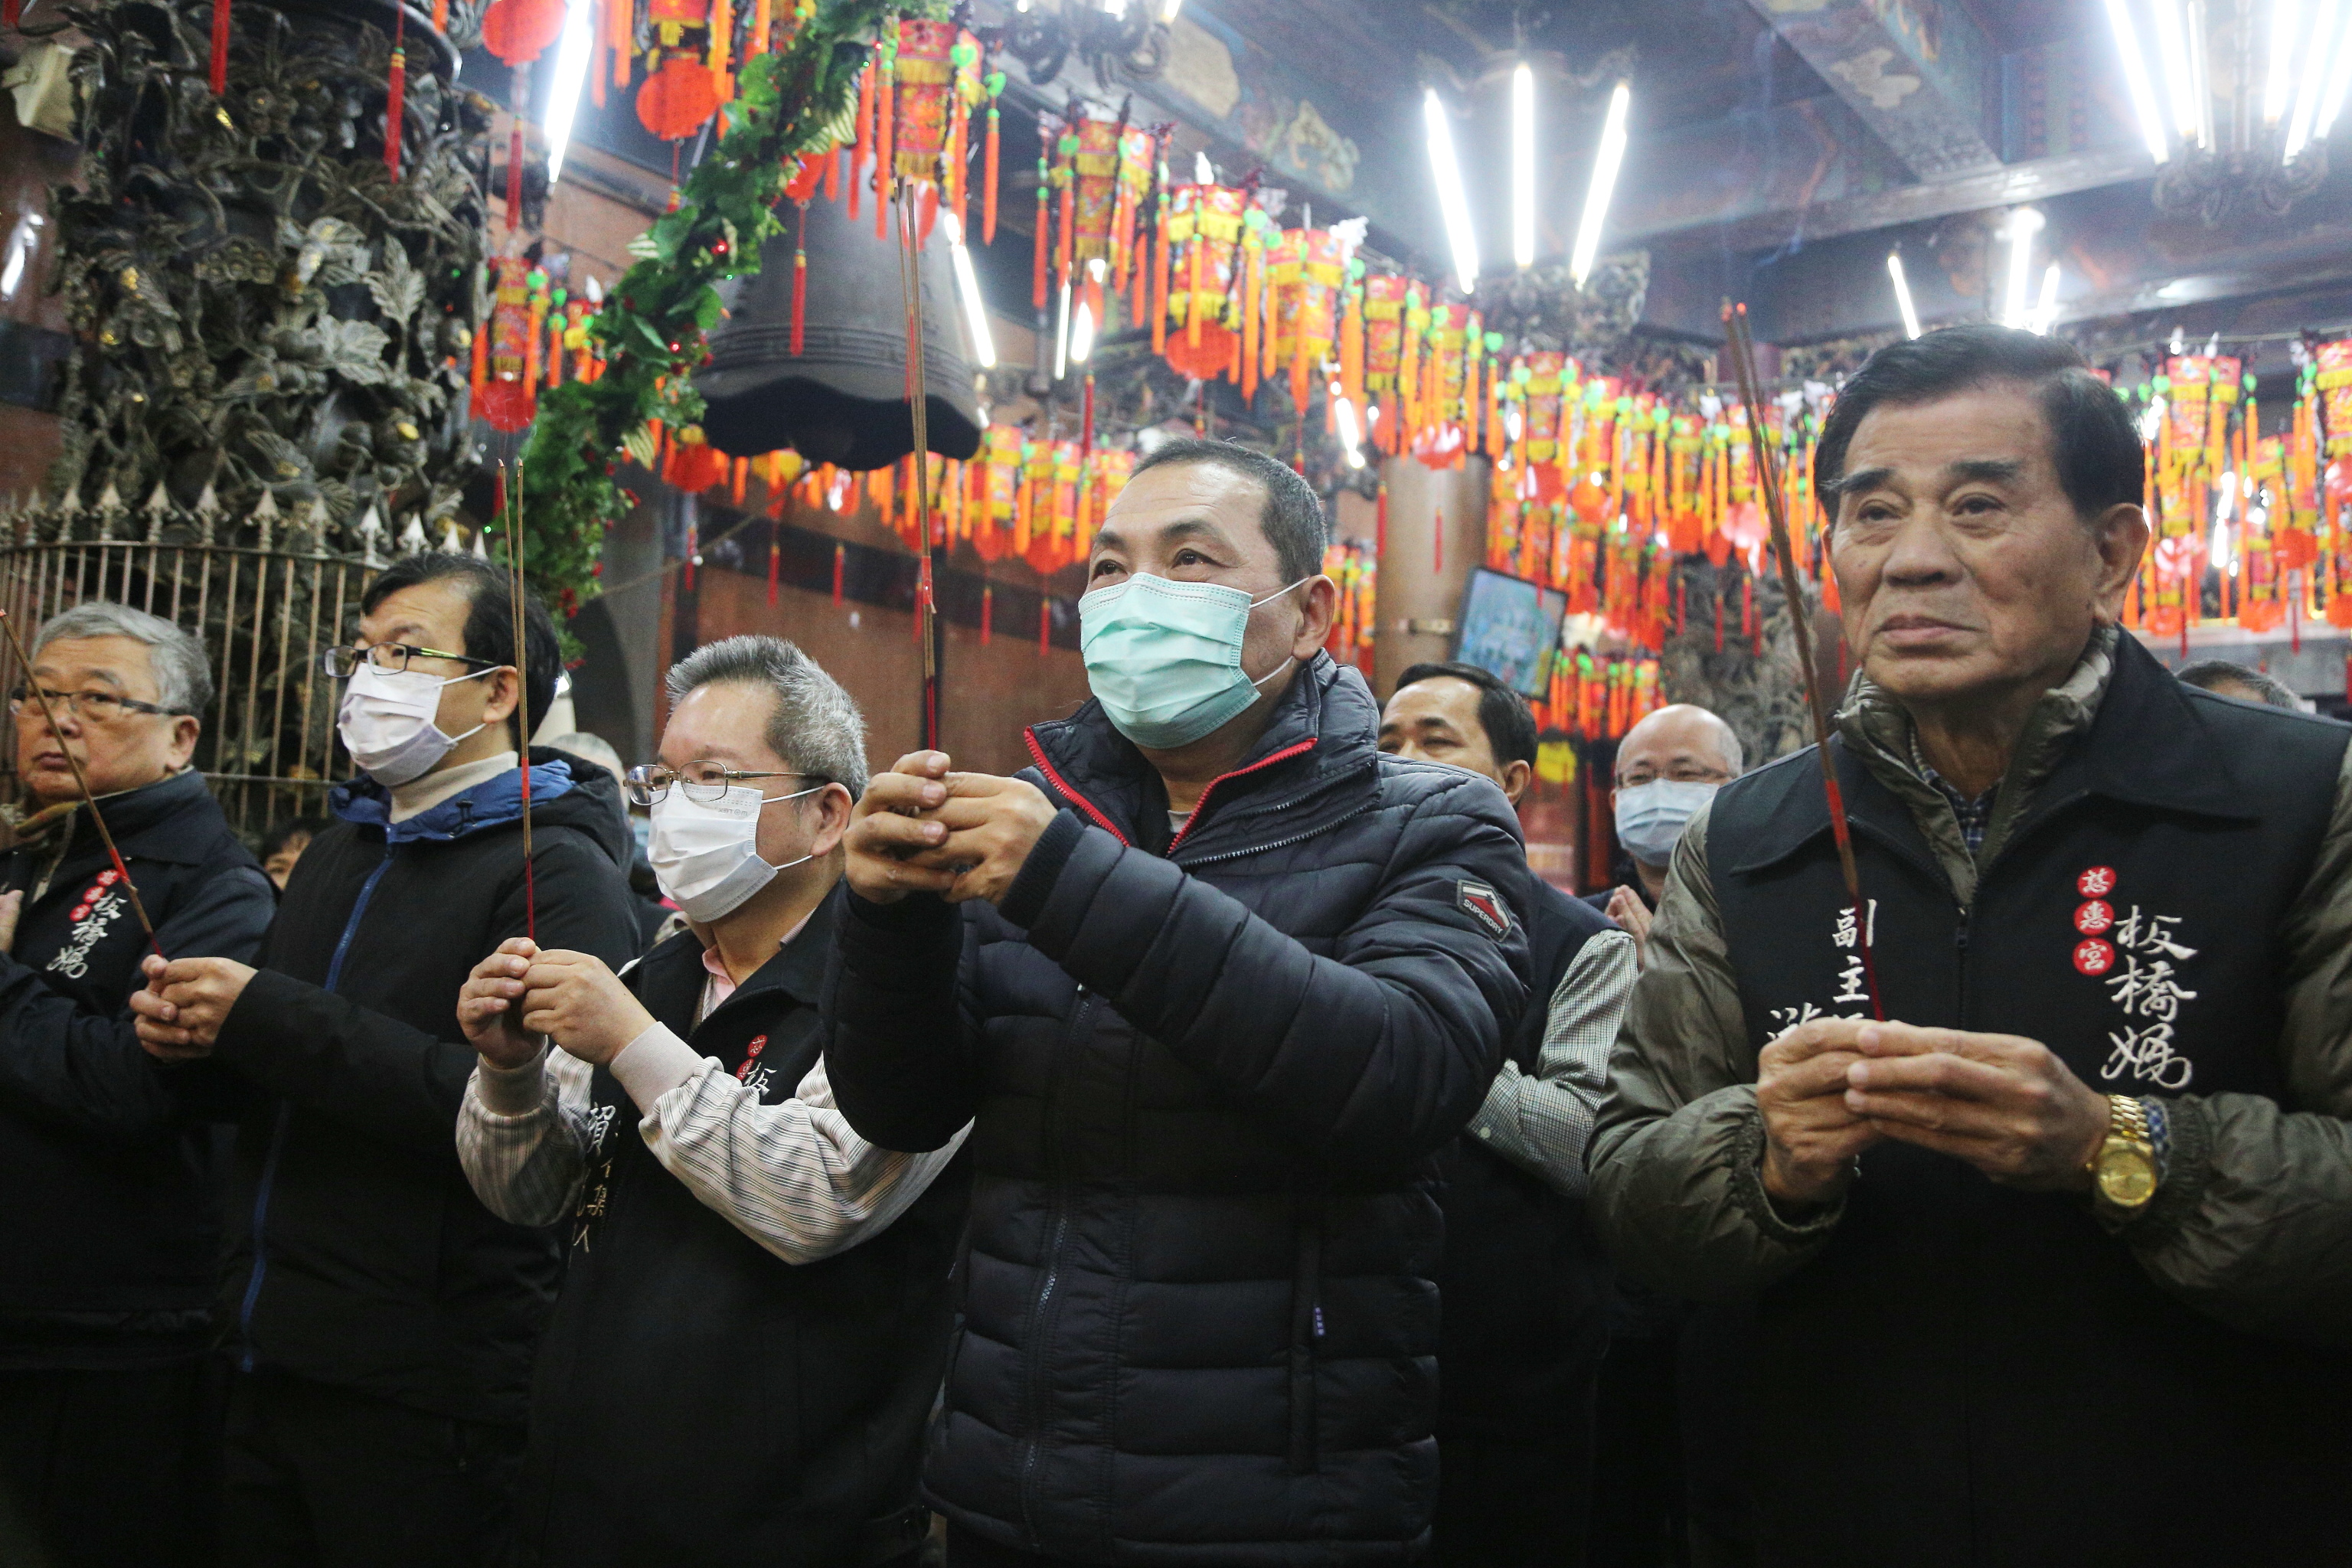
(378, 1319)
(1668, 765)
(1213, 983)
(735, 1249)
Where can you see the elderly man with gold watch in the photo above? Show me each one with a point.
(2054, 1264)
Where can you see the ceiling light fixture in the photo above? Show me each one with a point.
(2278, 87)
(2046, 309)
(1062, 336)
(2317, 59)
(975, 309)
(1902, 294)
(2340, 77)
(1523, 165)
(2172, 52)
(1605, 164)
(1351, 435)
(2024, 224)
(1452, 200)
(2136, 83)
(571, 58)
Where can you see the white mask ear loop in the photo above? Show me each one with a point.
(779, 799)
(1259, 684)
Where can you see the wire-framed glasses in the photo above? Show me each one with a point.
(90, 707)
(343, 662)
(704, 782)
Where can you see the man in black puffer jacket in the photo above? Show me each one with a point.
(1223, 981)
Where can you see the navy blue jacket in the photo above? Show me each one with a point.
(1199, 1316)
(110, 1231)
(358, 1256)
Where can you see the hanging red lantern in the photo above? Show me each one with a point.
(518, 31)
(677, 99)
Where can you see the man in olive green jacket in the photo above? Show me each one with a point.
(2054, 1265)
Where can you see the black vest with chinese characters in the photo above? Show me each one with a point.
(698, 1401)
(1970, 1374)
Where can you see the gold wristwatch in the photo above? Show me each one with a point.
(2123, 1172)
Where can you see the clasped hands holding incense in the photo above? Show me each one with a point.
(1830, 1088)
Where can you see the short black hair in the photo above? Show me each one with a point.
(2210, 674)
(2096, 450)
(288, 828)
(490, 620)
(1293, 519)
(1503, 713)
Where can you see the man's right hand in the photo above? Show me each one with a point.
(888, 847)
(1626, 907)
(489, 1005)
(1811, 1138)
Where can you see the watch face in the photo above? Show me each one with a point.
(2127, 1174)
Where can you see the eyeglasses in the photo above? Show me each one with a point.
(1681, 772)
(706, 782)
(90, 707)
(343, 663)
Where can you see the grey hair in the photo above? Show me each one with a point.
(184, 677)
(1735, 759)
(816, 728)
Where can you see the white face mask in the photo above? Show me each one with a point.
(1650, 816)
(705, 855)
(386, 721)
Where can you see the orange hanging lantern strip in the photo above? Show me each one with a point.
(518, 31)
(923, 99)
(677, 100)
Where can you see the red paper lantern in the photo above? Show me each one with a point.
(677, 99)
(518, 31)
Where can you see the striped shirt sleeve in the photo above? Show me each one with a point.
(791, 1176)
(522, 1137)
(1542, 1122)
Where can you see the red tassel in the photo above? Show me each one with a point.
(839, 551)
(865, 142)
(1682, 604)
(987, 611)
(693, 549)
(1381, 524)
(1087, 421)
(930, 211)
(1437, 545)
(886, 130)
(1747, 627)
(1719, 620)
(9, 11)
(396, 90)
(775, 561)
(800, 281)
(220, 41)
(988, 186)
(1045, 626)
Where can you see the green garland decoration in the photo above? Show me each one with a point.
(655, 320)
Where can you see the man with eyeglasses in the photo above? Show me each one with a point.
(736, 1251)
(1668, 765)
(380, 1322)
(111, 1221)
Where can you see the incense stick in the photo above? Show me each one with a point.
(910, 279)
(81, 782)
(522, 691)
(1767, 476)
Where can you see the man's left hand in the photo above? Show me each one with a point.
(992, 823)
(2003, 1103)
(179, 1012)
(575, 1001)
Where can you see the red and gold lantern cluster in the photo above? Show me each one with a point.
(535, 337)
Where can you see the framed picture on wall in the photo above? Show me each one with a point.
(1510, 628)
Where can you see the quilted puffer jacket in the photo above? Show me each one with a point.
(1198, 1316)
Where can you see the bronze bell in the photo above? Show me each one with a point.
(842, 399)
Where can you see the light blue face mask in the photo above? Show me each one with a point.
(1164, 658)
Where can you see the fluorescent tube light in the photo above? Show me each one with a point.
(2278, 87)
(1452, 200)
(2317, 59)
(1605, 164)
(2136, 82)
(1902, 294)
(2024, 224)
(571, 58)
(1523, 165)
(975, 309)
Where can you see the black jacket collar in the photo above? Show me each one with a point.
(2148, 746)
(173, 819)
(673, 972)
(1321, 745)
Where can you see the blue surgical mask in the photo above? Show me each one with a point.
(1164, 658)
(1650, 816)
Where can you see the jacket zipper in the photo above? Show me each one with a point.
(1054, 777)
(1202, 805)
(278, 1132)
(1033, 1354)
